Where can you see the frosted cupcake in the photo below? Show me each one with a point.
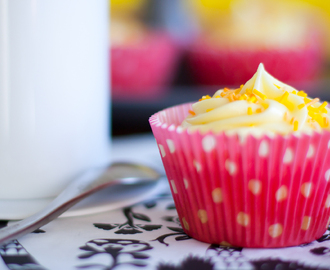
(250, 166)
(286, 37)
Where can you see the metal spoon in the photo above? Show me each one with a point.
(90, 182)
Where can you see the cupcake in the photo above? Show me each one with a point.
(250, 166)
(142, 61)
(287, 38)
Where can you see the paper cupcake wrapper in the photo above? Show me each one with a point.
(215, 66)
(143, 70)
(266, 192)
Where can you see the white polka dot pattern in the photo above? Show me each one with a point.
(179, 129)
(306, 223)
(263, 149)
(255, 186)
(197, 165)
(288, 156)
(162, 150)
(281, 194)
(172, 127)
(327, 175)
(170, 145)
(186, 183)
(231, 167)
(306, 189)
(208, 143)
(185, 223)
(328, 223)
(226, 244)
(275, 230)
(173, 186)
(327, 202)
(217, 195)
(243, 219)
(202, 215)
(310, 152)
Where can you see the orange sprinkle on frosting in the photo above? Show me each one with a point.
(192, 112)
(313, 102)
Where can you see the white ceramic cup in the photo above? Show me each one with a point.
(54, 98)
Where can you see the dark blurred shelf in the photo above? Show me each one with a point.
(130, 117)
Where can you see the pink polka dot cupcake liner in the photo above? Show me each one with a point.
(251, 192)
(211, 65)
(144, 70)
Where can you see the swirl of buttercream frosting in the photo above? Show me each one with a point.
(263, 104)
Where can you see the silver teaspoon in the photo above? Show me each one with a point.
(88, 183)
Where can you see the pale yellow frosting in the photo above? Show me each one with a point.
(263, 105)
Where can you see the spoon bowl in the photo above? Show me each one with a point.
(89, 183)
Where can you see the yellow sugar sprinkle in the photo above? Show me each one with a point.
(261, 95)
(318, 118)
(294, 92)
(205, 97)
(208, 110)
(192, 112)
(301, 94)
(241, 86)
(300, 106)
(312, 109)
(217, 97)
(325, 122)
(252, 99)
(226, 89)
(307, 100)
(237, 90)
(277, 86)
(248, 91)
(259, 110)
(222, 94)
(323, 105)
(295, 125)
(284, 96)
(249, 111)
(243, 97)
(324, 110)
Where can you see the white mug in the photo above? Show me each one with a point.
(54, 98)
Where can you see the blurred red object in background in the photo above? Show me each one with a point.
(145, 69)
(211, 65)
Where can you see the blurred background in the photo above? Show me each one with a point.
(168, 52)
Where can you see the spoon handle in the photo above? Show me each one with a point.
(88, 183)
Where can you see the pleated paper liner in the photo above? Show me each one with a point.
(265, 192)
(157, 54)
(213, 65)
